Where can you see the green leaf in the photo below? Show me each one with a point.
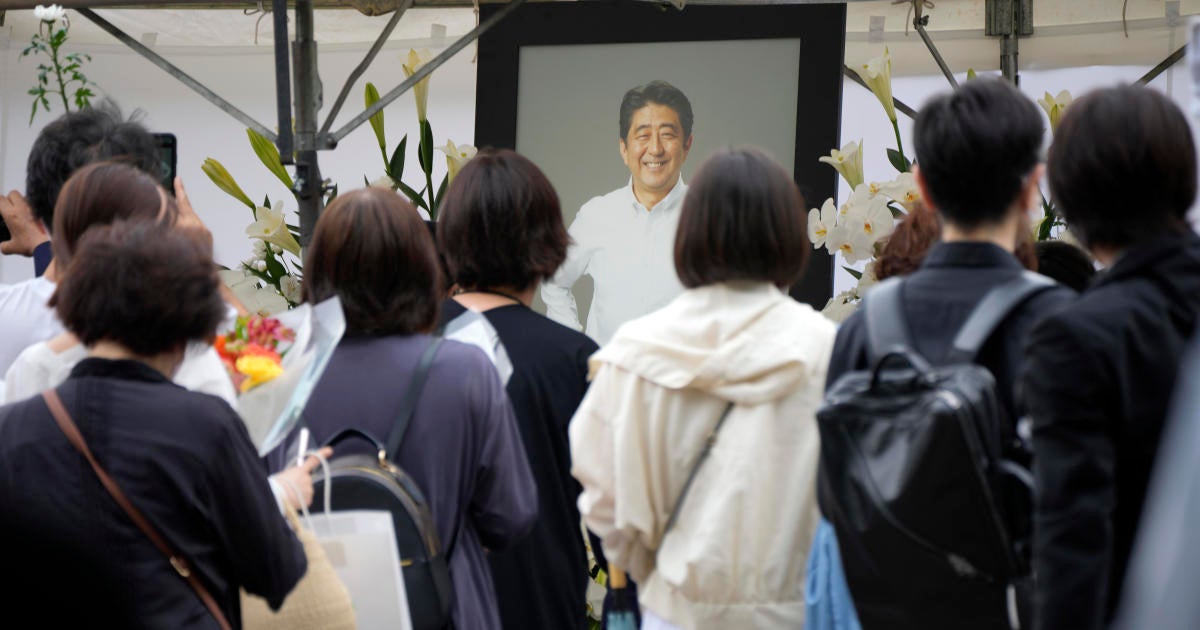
(372, 97)
(395, 166)
(896, 212)
(268, 153)
(441, 192)
(971, 74)
(266, 202)
(275, 268)
(857, 274)
(898, 161)
(412, 195)
(221, 177)
(366, 182)
(425, 150)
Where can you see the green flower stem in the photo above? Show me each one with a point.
(429, 188)
(899, 142)
(62, 86)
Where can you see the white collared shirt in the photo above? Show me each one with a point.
(628, 251)
(25, 318)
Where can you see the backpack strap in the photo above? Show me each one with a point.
(887, 327)
(991, 311)
(408, 405)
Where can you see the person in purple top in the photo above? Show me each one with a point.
(463, 447)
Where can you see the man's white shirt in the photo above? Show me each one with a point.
(25, 318)
(628, 251)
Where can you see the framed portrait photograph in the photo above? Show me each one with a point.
(619, 103)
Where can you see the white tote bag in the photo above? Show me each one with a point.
(361, 546)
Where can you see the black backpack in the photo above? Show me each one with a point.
(912, 473)
(364, 482)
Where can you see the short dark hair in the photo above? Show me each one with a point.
(79, 138)
(140, 284)
(1123, 166)
(659, 92)
(102, 193)
(371, 249)
(975, 147)
(742, 219)
(1066, 263)
(501, 224)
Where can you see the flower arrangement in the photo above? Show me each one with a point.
(275, 269)
(857, 228)
(64, 70)
(253, 351)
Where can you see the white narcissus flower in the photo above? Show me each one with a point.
(877, 74)
(841, 306)
(416, 59)
(851, 242)
(1055, 106)
(260, 249)
(52, 13)
(456, 156)
(875, 220)
(820, 222)
(903, 190)
(270, 227)
(848, 161)
(289, 286)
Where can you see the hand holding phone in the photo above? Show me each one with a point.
(23, 231)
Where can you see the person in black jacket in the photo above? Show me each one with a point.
(979, 169)
(1100, 373)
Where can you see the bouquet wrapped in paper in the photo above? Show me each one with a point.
(276, 361)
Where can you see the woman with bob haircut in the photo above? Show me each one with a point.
(135, 294)
(100, 194)
(1100, 372)
(371, 250)
(733, 355)
(501, 232)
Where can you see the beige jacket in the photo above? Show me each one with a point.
(736, 556)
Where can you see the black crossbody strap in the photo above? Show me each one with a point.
(687, 484)
(408, 405)
(991, 311)
(887, 327)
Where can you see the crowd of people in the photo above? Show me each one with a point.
(683, 449)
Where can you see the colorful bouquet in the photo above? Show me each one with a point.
(253, 351)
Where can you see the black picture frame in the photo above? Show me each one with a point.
(821, 29)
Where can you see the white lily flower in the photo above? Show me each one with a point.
(902, 190)
(271, 228)
(851, 242)
(289, 286)
(877, 74)
(820, 222)
(254, 297)
(416, 59)
(875, 220)
(1055, 106)
(384, 182)
(848, 161)
(841, 306)
(260, 249)
(868, 280)
(51, 14)
(456, 156)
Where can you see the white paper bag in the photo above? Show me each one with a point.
(361, 545)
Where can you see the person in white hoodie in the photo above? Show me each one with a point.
(732, 346)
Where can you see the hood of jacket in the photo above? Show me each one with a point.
(747, 343)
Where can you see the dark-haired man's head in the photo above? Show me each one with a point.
(1123, 167)
(1065, 263)
(656, 134)
(79, 138)
(977, 153)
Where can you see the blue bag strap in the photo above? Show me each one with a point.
(991, 311)
(887, 327)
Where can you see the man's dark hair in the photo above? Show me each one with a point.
(78, 138)
(1123, 166)
(975, 147)
(371, 249)
(142, 285)
(501, 223)
(656, 92)
(743, 219)
(102, 193)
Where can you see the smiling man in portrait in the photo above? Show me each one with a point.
(625, 240)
